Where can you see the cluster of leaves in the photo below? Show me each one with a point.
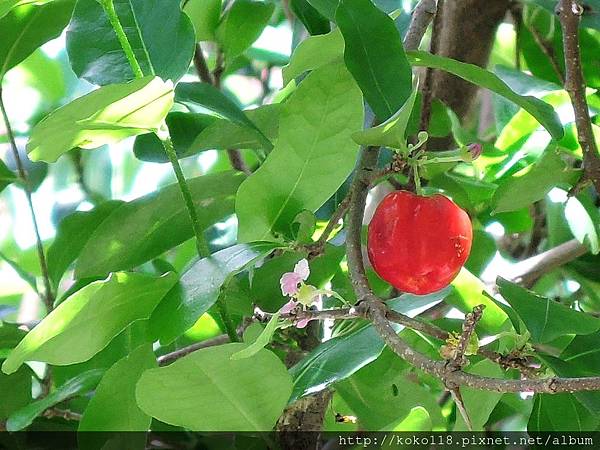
(131, 287)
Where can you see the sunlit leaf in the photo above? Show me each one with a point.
(104, 116)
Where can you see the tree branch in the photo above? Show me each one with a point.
(168, 358)
(421, 17)
(235, 157)
(48, 297)
(569, 13)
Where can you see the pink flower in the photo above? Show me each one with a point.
(290, 281)
(302, 323)
(475, 150)
(288, 307)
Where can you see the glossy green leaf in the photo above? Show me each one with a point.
(340, 357)
(479, 404)
(314, 52)
(560, 412)
(72, 235)
(183, 128)
(7, 176)
(10, 335)
(208, 391)
(584, 221)
(205, 15)
(7, 5)
(261, 341)
(200, 97)
(161, 35)
(390, 133)
(81, 384)
(269, 200)
(374, 55)
(312, 20)
(88, 320)
(325, 7)
(104, 116)
(418, 419)
(200, 287)
(371, 394)
(103, 413)
(225, 134)
(468, 293)
(27, 27)
(546, 319)
(15, 391)
(521, 190)
(542, 111)
(241, 25)
(144, 228)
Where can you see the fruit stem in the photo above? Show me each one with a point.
(417, 179)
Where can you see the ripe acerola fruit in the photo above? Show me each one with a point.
(418, 244)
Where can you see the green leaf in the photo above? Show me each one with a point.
(142, 229)
(241, 25)
(88, 320)
(312, 20)
(183, 128)
(261, 341)
(72, 235)
(205, 15)
(560, 412)
(341, 356)
(7, 176)
(15, 390)
(521, 190)
(479, 404)
(10, 335)
(200, 97)
(390, 133)
(417, 420)
(545, 319)
(81, 384)
(371, 394)
(313, 149)
(200, 287)
(113, 406)
(374, 55)
(542, 111)
(325, 7)
(27, 27)
(104, 116)
(468, 293)
(161, 35)
(314, 52)
(583, 219)
(208, 391)
(225, 134)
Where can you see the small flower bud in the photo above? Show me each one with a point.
(475, 150)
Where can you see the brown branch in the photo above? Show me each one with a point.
(167, 359)
(421, 17)
(548, 50)
(48, 297)
(426, 89)
(235, 157)
(569, 13)
(528, 271)
(316, 249)
(459, 359)
(62, 413)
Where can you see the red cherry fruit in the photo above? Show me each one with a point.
(418, 244)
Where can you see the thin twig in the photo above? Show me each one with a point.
(316, 249)
(62, 413)
(426, 89)
(459, 359)
(175, 355)
(548, 50)
(570, 12)
(48, 297)
(421, 17)
(235, 157)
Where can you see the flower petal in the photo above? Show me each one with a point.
(301, 269)
(302, 323)
(288, 307)
(289, 283)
